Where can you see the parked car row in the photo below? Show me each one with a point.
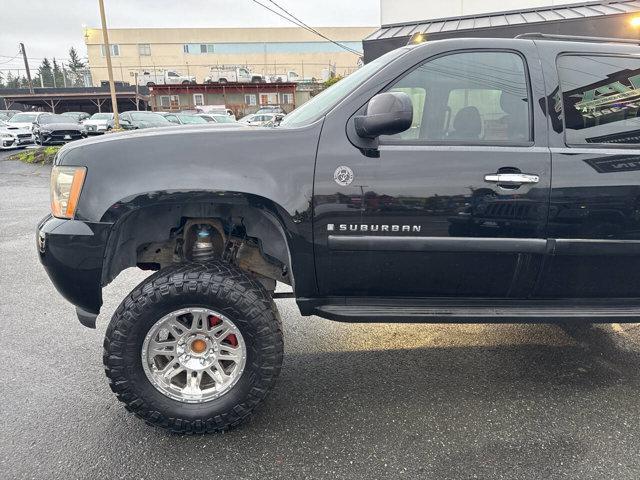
(18, 129)
(48, 128)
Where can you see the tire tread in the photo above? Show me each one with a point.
(217, 280)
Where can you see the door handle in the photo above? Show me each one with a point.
(511, 178)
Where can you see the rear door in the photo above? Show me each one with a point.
(455, 206)
(595, 198)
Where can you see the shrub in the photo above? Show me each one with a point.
(41, 156)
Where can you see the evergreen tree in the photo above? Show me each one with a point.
(1, 80)
(76, 67)
(74, 62)
(24, 83)
(58, 81)
(45, 73)
(12, 82)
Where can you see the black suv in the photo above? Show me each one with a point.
(464, 180)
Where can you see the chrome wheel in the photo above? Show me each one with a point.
(194, 355)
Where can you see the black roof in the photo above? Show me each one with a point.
(73, 90)
(556, 13)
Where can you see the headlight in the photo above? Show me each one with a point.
(5, 135)
(66, 185)
(45, 131)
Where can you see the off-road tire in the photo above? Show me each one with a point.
(215, 285)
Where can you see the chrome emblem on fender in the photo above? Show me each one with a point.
(343, 176)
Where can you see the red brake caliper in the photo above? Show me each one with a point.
(231, 338)
(213, 321)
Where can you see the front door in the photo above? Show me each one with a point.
(456, 205)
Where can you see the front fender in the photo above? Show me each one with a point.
(271, 168)
(272, 163)
(151, 217)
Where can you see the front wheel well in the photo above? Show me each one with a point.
(156, 237)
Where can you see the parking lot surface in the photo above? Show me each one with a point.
(353, 401)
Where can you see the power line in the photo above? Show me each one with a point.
(300, 24)
(30, 58)
(11, 60)
(311, 29)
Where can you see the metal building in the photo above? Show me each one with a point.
(596, 19)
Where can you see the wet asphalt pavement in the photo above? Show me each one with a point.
(353, 401)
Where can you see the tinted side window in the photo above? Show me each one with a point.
(470, 97)
(600, 98)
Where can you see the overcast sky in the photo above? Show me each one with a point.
(49, 27)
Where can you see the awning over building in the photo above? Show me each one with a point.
(84, 99)
(601, 19)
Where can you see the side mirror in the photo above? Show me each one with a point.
(387, 113)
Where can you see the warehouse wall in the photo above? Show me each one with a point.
(267, 51)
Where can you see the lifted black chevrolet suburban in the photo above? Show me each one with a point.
(466, 180)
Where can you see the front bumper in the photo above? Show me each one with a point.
(8, 142)
(95, 129)
(59, 138)
(72, 253)
(16, 141)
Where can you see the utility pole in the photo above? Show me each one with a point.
(26, 67)
(107, 47)
(135, 76)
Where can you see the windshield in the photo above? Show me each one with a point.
(148, 117)
(325, 100)
(24, 118)
(223, 118)
(102, 116)
(56, 119)
(191, 119)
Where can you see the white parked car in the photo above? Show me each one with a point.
(12, 136)
(26, 119)
(98, 123)
(218, 117)
(217, 110)
(262, 119)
